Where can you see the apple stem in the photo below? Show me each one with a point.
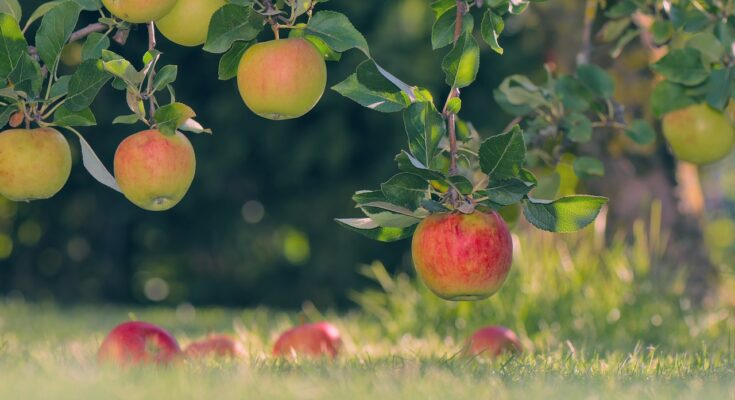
(152, 73)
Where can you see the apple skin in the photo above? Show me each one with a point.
(133, 343)
(139, 11)
(220, 346)
(699, 134)
(463, 256)
(153, 170)
(187, 24)
(282, 79)
(34, 163)
(311, 340)
(492, 341)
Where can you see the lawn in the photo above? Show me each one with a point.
(596, 321)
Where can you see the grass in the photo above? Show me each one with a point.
(597, 322)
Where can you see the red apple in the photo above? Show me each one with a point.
(493, 341)
(463, 256)
(135, 342)
(311, 340)
(215, 346)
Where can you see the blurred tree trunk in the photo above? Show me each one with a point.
(636, 176)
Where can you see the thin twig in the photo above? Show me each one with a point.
(590, 14)
(84, 32)
(152, 73)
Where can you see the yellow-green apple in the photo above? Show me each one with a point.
(311, 340)
(139, 11)
(699, 134)
(493, 341)
(215, 346)
(282, 79)
(34, 163)
(187, 23)
(153, 170)
(463, 256)
(136, 342)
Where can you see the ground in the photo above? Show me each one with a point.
(596, 323)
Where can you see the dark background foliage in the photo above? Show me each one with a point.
(257, 225)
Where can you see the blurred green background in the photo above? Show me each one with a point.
(257, 225)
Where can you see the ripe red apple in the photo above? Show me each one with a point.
(187, 24)
(34, 163)
(139, 11)
(154, 170)
(310, 340)
(699, 134)
(493, 341)
(282, 79)
(135, 342)
(215, 346)
(463, 256)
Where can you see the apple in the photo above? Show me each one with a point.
(463, 256)
(187, 24)
(282, 79)
(136, 342)
(139, 11)
(311, 340)
(493, 341)
(215, 346)
(153, 170)
(699, 134)
(34, 163)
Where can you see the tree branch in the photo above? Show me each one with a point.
(84, 32)
(590, 13)
(454, 93)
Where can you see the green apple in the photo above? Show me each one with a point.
(139, 11)
(187, 24)
(699, 134)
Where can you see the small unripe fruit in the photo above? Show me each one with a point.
(153, 170)
(282, 79)
(187, 24)
(699, 134)
(133, 343)
(139, 11)
(463, 256)
(34, 163)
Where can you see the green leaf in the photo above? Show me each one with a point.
(11, 8)
(454, 105)
(164, 77)
(370, 229)
(684, 66)
(84, 85)
(60, 87)
(491, 27)
(94, 45)
(5, 113)
(124, 70)
(708, 45)
(621, 9)
(389, 215)
(56, 28)
(585, 167)
(462, 184)
(661, 30)
(65, 117)
(230, 61)
(369, 88)
(578, 127)
(230, 24)
(94, 166)
(321, 45)
(462, 63)
(408, 163)
(502, 156)
(26, 76)
(565, 215)
(425, 128)
(667, 97)
(597, 80)
(442, 32)
(719, 87)
(573, 94)
(405, 190)
(126, 119)
(613, 29)
(337, 32)
(168, 118)
(12, 46)
(506, 192)
(641, 132)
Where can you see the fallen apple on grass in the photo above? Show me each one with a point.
(463, 256)
(220, 346)
(492, 341)
(153, 170)
(139, 11)
(282, 79)
(310, 340)
(136, 342)
(34, 163)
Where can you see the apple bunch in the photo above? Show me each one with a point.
(135, 342)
